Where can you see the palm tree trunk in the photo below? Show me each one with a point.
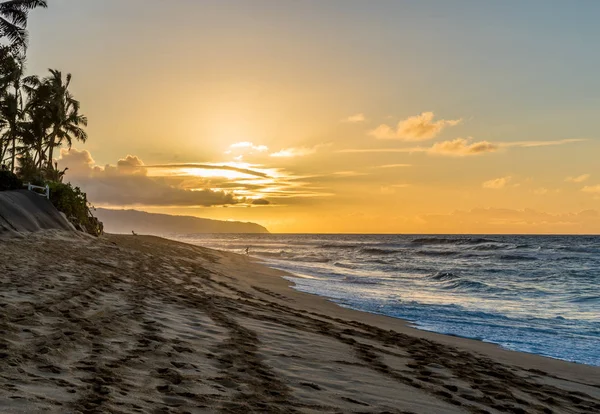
(51, 146)
(3, 149)
(14, 153)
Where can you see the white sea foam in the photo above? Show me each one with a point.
(538, 294)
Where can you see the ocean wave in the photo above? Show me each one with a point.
(361, 280)
(468, 285)
(292, 257)
(308, 259)
(439, 253)
(376, 251)
(346, 265)
(338, 246)
(448, 240)
(586, 299)
(451, 281)
(444, 276)
(517, 257)
(579, 249)
(486, 247)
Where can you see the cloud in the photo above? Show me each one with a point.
(393, 166)
(578, 179)
(205, 166)
(131, 182)
(298, 152)
(382, 150)
(497, 183)
(131, 165)
(77, 162)
(461, 147)
(248, 146)
(354, 119)
(349, 174)
(534, 144)
(391, 189)
(416, 128)
(261, 202)
(591, 189)
(240, 149)
(127, 183)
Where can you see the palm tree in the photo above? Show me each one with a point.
(64, 114)
(37, 118)
(11, 117)
(13, 19)
(11, 102)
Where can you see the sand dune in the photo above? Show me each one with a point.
(141, 324)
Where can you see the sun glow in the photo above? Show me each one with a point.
(204, 173)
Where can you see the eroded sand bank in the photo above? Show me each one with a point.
(141, 324)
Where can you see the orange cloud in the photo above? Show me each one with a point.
(416, 128)
(497, 184)
(461, 147)
(591, 189)
(578, 179)
(354, 119)
(298, 152)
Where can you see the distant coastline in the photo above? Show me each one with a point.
(124, 221)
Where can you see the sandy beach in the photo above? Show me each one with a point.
(141, 324)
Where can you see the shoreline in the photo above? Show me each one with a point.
(536, 361)
(126, 324)
(415, 324)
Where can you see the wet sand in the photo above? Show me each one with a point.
(140, 324)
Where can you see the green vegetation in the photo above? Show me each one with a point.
(9, 181)
(37, 117)
(73, 202)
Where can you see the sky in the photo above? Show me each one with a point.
(344, 116)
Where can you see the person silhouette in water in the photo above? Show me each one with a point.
(247, 250)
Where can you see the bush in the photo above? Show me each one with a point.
(73, 203)
(28, 172)
(9, 181)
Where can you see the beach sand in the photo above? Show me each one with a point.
(140, 324)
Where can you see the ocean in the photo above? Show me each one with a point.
(536, 294)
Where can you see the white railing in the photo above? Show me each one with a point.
(46, 189)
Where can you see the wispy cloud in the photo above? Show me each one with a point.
(355, 119)
(184, 168)
(246, 147)
(416, 128)
(392, 166)
(533, 144)
(497, 184)
(462, 147)
(542, 191)
(131, 182)
(392, 189)
(591, 189)
(578, 179)
(382, 150)
(349, 173)
(298, 152)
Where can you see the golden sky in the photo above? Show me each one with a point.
(338, 116)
